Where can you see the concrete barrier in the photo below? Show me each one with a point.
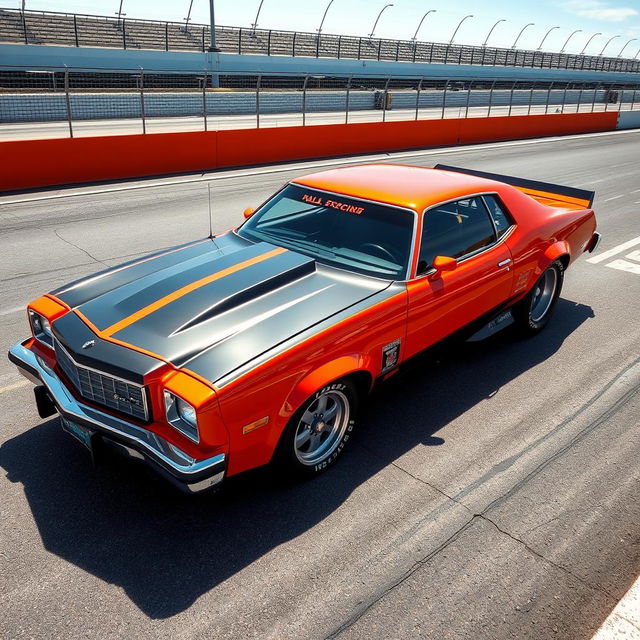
(38, 163)
(629, 120)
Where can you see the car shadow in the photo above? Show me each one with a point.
(127, 527)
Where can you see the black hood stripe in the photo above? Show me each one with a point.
(183, 291)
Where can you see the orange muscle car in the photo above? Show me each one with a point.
(257, 345)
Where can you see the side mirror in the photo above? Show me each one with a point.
(443, 263)
(248, 212)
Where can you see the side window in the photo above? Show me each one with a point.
(455, 229)
(501, 218)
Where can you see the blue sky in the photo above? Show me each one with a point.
(356, 17)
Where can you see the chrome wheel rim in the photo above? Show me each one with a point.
(543, 294)
(321, 427)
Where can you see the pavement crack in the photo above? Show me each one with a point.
(391, 587)
(432, 486)
(71, 244)
(560, 567)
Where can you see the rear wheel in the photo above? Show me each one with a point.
(534, 311)
(317, 433)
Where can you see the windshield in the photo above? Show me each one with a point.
(362, 236)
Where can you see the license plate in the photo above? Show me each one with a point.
(80, 433)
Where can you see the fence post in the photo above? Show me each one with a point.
(580, 97)
(204, 46)
(606, 98)
(204, 100)
(564, 98)
(466, 108)
(418, 96)
(293, 45)
(166, 36)
(258, 101)
(269, 43)
(318, 46)
(595, 95)
(240, 41)
(633, 98)
(304, 100)
(385, 98)
(493, 84)
(549, 90)
(67, 100)
(533, 86)
(346, 114)
(144, 123)
(513, 86)
(444, 98)
(124, 34)
(75, 29)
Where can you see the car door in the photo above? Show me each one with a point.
(440, 303)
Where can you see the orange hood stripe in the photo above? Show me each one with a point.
(158, 304)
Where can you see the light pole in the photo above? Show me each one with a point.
(545, 36)
(515, 42)
(589, 41)
(415, 35)
(625, 46)
(459, 25)
(186, 23)
(212, 15)
(484, 44)
(255, 22)
(375, 24)
(324, 15)
(120, 14)
(569, 38)
(606, 45)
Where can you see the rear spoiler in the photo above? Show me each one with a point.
(544, 190)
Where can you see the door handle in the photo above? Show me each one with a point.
(504, 263)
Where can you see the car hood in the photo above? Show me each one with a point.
(218, 303)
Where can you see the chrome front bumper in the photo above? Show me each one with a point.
(184, 471)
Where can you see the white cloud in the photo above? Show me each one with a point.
(598, 10)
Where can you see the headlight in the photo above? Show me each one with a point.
(181, 415)
(41, 328)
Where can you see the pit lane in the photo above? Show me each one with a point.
(492, 490)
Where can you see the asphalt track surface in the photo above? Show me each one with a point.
(124, 126)
(492, 490)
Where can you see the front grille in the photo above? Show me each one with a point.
(103, 389)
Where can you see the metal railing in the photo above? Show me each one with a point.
(39, 27)
(37, 103)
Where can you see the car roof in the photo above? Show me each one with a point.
(400, 185)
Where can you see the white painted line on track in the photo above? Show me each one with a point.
(310, 164)
(614, 198)
(8, 312)
(15, 385)
(624, 620)
(625, 265)
(634, 255)
(612, 252)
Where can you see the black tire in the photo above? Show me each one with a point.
(533, 312)
(291, 455)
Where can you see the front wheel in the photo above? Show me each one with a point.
(534, 311)
(319, 430)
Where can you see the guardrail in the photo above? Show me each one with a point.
(56, 103)
(40, 27)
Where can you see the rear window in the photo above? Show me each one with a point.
(358, 235)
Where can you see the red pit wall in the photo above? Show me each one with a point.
(38, 163)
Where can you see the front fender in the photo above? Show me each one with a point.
(327, 373)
